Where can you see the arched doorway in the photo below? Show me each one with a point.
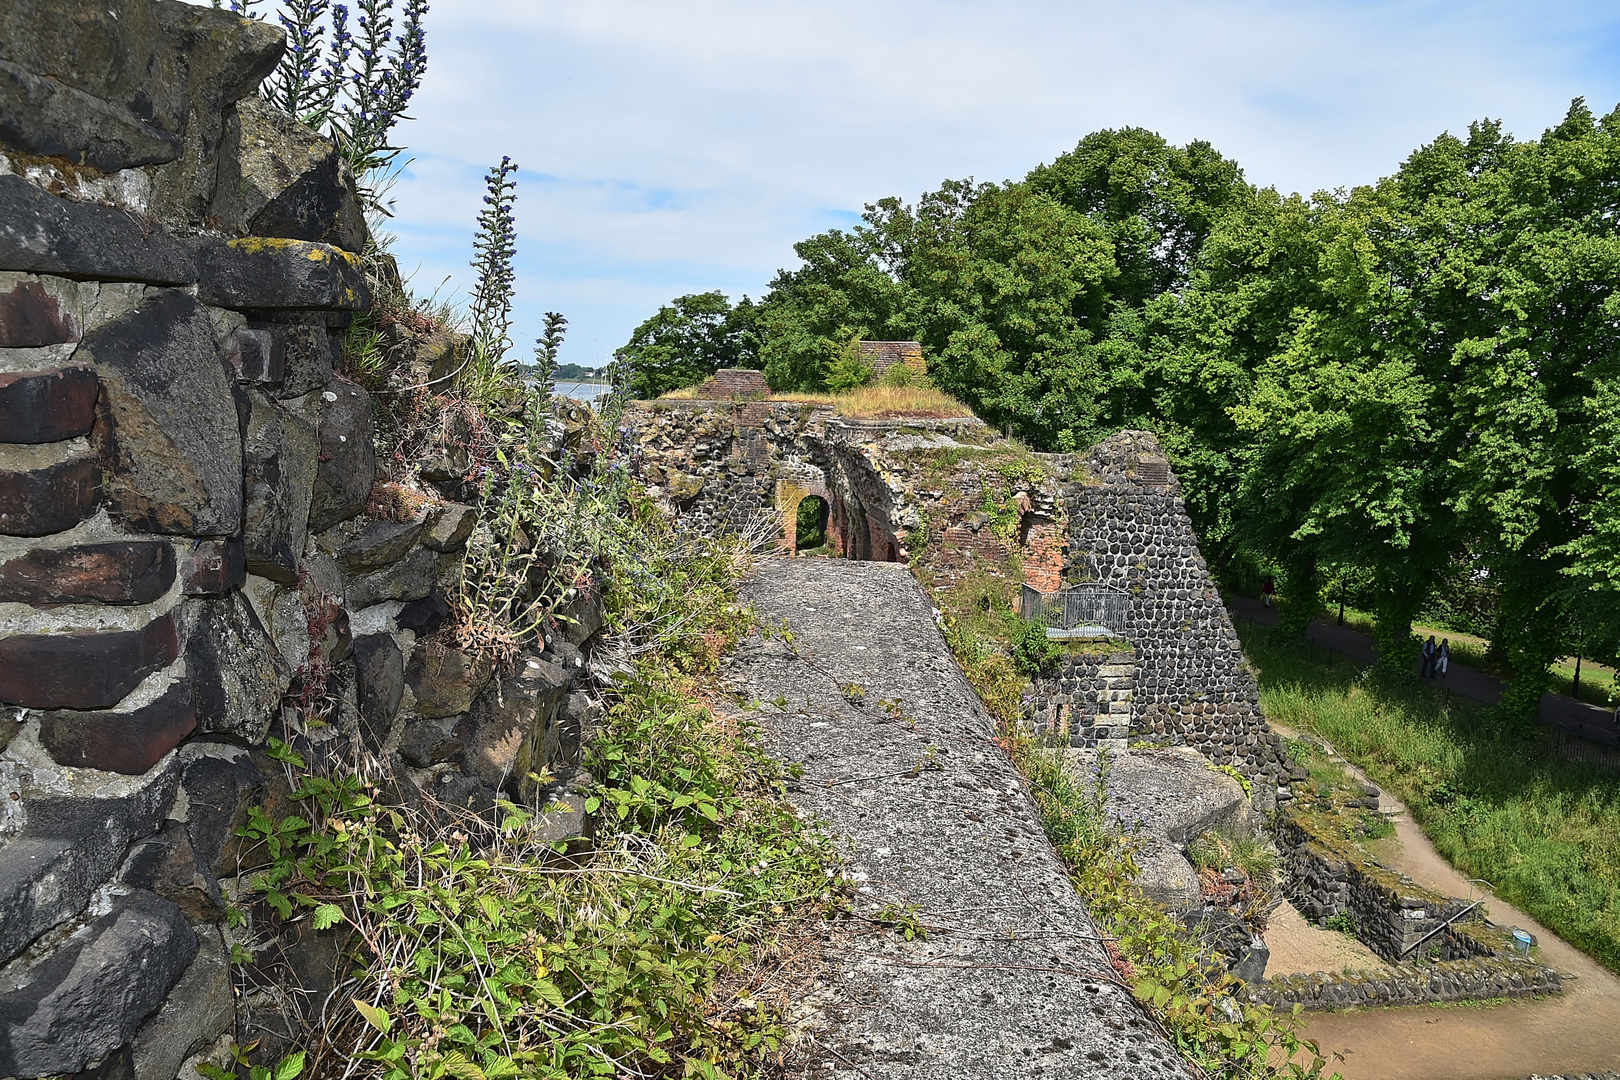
(810, 524)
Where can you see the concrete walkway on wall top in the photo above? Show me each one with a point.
(1012, 980)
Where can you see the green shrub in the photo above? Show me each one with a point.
(1032, 650)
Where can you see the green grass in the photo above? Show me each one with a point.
(1544, 831)
(1598, 685)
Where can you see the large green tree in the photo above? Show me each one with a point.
(685, 342)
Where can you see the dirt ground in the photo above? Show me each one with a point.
(1578, 1032)
(1300, 948)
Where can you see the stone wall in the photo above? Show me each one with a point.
(925, 491)
(1087, 702)
(1127, 527)
(194, 559)
(1476, 979)
(1395, 917)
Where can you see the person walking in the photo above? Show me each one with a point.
(1442, 659)
(1426, 670)
(1268, 590)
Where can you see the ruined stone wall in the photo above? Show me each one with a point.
(193, 557)
(1086, 702)
(952, 497)
(1127, 528)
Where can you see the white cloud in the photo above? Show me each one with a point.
(671, 147)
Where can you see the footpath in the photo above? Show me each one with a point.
(1574, 1034)
(1566, 714)
(898, 760)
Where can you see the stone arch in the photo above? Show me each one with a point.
(793, 490)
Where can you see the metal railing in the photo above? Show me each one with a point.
(1090, 610)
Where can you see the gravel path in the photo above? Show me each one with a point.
(1011, 980)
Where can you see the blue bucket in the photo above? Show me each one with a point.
(1522, 940)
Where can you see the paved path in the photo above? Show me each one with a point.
(1011, 981)
(1574, 1033)
(1591, 722)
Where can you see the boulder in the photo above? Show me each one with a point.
(412, 578)
(270, 272)
(256, 355)
(90, 996)
(503, 719)
(85, 669)
(279, 452)
(423, 617)
(198, 1010)
(47, 406)
(379, 668)
(75, 837)
(171, 67)
(379, 544)
(279, 178)
(32, 315)
(348, 456)
(445, 681)
(167, 428)
(117, 572)
(43, 234)
(424, 743)
(214, 567)
(1166, 797)
(304, 349)
(220, 783)
(166, 864)
(582, 616)
(236, 671)
(448, 527)
(50, 119)
(47, 489)
(129, 739)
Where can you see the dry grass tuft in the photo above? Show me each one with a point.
(870, 402)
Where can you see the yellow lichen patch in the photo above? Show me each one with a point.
(255, 245)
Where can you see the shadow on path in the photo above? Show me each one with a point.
(1591, 722)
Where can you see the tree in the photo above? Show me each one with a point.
(840, 292)
(688, 340)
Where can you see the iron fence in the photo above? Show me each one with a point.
(1080, 610)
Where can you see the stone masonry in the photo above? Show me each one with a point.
(1112, 515)
(1127, 528)
(192, 556)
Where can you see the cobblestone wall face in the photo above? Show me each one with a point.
(1128, 528)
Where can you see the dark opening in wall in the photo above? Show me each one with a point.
(810, 529)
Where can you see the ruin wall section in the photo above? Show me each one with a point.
(194, 559)
(1128, 528)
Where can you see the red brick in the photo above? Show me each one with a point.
(47, 406)
(120, 572)
(83, 670)
(38, 502)
(122, 742)
(215, 567)
(30, 318)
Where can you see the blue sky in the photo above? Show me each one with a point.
(675, 146)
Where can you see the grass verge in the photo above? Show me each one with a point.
(648, 956)
(1544, 831)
